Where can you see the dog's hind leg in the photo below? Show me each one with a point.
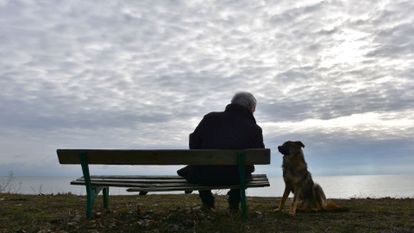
(320, 197)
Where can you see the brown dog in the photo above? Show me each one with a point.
(307, 195)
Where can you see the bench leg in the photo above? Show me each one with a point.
(91, 191)
(241, 165)
(243, 203)
(89, 205)
(105, 192)
(90, 197)
(91, 194)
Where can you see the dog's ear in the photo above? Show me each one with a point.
(301, 144)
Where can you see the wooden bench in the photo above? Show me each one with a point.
(143, 184)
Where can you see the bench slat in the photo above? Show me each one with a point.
(178, 184)
(139, 184)
(155, 186)
(194, 187)
(151, 179)
(164, 157)
(146, 177)
(141, 181)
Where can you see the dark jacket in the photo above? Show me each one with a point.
(235, 128)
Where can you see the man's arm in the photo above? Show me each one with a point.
(195, 141)
(260, 139)
(195, 137)
(259, 144)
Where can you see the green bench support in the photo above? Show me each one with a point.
(92, 191)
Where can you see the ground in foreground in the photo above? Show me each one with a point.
(182, 213)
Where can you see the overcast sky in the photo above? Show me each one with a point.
(337, 75)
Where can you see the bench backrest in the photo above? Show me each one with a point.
(163, 157)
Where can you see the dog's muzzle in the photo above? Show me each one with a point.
(283, 150)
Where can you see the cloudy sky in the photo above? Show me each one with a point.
(337, 75)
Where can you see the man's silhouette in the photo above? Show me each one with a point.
(235, 128)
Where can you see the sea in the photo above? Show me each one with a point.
(341, 187)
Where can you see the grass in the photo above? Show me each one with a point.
(182, 213)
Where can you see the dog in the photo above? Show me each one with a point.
(307, 195)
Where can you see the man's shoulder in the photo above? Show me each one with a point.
(213, 114)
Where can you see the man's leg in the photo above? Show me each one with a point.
(234, 199)
(207, 198)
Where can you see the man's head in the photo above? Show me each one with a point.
(246, 100)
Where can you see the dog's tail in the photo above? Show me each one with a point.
(331, 206)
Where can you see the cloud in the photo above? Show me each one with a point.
(142, 74)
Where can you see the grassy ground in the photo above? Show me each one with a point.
(182, 213)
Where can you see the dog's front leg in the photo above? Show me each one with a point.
(283, 200)
(294, 205)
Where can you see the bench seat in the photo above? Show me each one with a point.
(163, 183)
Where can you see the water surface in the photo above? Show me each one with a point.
(373, 186)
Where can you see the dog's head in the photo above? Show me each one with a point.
(291, 147)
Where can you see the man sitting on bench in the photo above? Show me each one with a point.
(235, 128)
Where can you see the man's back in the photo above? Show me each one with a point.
(235, 128)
